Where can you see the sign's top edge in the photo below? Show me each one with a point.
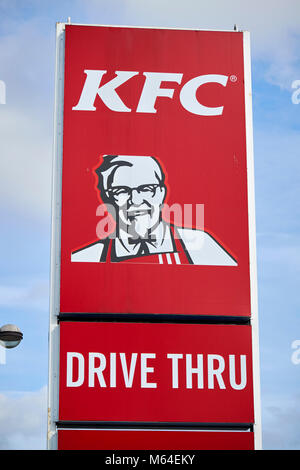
(153, 27)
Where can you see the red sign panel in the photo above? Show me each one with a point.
(155, 373)
(154, 183)
(70, 439)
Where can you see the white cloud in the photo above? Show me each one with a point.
(266, 20)
(27, 68)
(281, 417)
(25, 164)
(273, 25)
(23, 420)
(278, 252)
(34, 295)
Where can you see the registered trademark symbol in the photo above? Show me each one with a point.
(233, 78)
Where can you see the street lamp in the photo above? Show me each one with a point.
(10, 336)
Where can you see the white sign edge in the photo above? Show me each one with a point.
(174, 28)
(53, 340)
(252, 241)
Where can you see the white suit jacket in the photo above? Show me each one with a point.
(199, 246)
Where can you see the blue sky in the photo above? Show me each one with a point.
(27, 46)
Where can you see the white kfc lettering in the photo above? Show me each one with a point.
(188, 95)
(152, 90)
(106, 92)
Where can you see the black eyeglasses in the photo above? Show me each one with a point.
(125, 192)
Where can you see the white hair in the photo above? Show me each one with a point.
(111, 163)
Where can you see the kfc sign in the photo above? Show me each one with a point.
(153, 312)
(154, 215)
(151, 91)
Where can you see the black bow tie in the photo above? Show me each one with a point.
(143, 244)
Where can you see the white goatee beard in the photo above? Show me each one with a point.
(138, 227)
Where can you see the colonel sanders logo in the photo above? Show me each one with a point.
(133, 190)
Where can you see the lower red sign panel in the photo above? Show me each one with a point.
(70, 439)
(155, 372)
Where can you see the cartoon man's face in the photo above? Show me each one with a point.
(137, 193)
